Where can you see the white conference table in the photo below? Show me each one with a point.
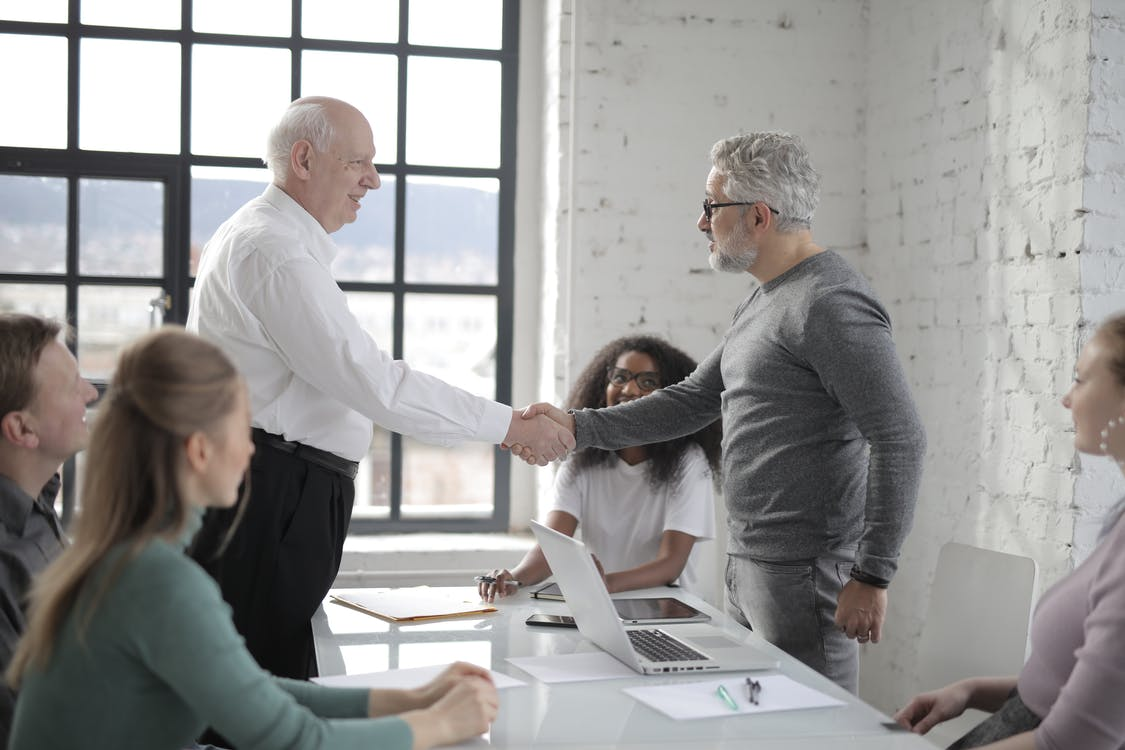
(594, 715)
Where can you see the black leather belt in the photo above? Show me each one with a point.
(323, 459)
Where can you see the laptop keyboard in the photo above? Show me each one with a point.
(656, 645)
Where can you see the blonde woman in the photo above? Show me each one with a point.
(129, 643)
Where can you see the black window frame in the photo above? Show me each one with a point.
(174, 171)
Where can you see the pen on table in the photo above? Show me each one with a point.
(722, 693)
(491, 579)
(753, 690)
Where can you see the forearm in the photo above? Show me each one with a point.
(390, 702)
(675, 547)
(989, 693)
(533, 568)
(1022, 741)
(675, 411)
(658, 572)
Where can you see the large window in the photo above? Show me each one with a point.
(135, 127)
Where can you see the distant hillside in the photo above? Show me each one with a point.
(446, 225)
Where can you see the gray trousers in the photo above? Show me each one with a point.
(792, 604)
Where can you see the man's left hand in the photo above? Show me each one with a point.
(860, 611)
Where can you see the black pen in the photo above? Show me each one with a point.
(753, 690)
(490, 579)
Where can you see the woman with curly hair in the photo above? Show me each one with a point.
(641, 508)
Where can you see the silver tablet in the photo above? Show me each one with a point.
(657, 610)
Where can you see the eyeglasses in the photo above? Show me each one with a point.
(646, 381)
(709, 207)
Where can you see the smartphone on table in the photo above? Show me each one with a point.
(551, 621)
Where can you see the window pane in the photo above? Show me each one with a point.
(375, 312)
(47, 300)
(109, 317)
(457, 23)
(443, 90)
(112, 116)
(32, 224)
(216, 193)
(238, 93)
(453, 337)
(368, 82)
(451, 230)
(150, 14)
(40, 87)
(462, 487)
(373, 482)
(257, 17)
(120, 227)
(367, 245)
(354, 20)
(42, 11)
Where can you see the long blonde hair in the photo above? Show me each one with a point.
(168, 385)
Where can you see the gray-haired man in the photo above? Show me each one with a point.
(823, 446)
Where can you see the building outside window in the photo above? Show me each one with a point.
(135, 127)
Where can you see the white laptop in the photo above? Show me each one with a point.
(699, 648)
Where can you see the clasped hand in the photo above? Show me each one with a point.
(539, 434)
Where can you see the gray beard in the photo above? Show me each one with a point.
(722, 259)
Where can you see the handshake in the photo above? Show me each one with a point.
(539, 434)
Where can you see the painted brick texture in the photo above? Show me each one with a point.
(972, 169)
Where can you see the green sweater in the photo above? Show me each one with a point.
(161, 660)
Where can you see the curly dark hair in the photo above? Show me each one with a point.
(665, 459)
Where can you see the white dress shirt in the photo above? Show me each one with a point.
(265, 294)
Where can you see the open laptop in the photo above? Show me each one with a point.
(702, 648)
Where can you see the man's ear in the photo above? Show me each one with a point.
(16, 428)
(197, 451)
(762, 215)
(299, 159)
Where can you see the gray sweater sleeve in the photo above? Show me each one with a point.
(850, 347)
(680, 409)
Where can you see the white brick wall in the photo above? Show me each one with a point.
(972, 168)
(979, 142)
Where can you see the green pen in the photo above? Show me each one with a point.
(722, 691)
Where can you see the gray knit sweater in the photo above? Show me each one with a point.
(822, 443)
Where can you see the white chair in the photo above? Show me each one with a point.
(977, 625)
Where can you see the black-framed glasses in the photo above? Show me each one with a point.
(646, 381)
(709, 207)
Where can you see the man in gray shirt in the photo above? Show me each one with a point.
(43, 401)
(822, 444)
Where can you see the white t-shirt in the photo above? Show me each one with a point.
(621, 518)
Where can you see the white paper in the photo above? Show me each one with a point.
(588, 665)
(698, 700)
(404, 679)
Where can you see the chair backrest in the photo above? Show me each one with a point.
(977, 625)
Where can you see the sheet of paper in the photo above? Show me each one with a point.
(405, 678)
(591, 665)
(698, 700)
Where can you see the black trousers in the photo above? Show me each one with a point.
(283, 556)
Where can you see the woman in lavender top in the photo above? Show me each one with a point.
(1069, 692)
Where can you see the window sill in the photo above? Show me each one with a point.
(426, 559)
